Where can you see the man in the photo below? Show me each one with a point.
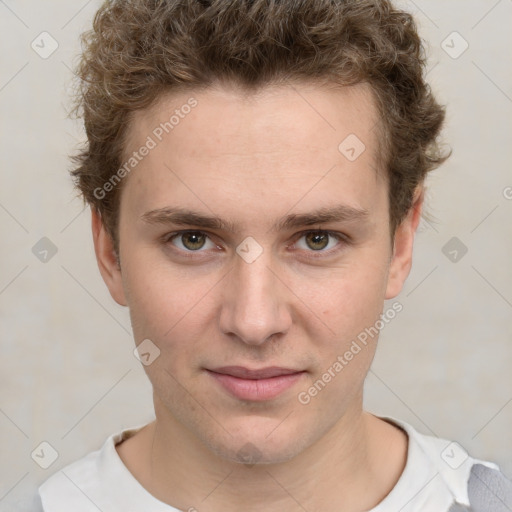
(255, 171)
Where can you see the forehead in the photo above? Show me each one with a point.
(279, 141)
(328, 111)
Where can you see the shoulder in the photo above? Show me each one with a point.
(476, 485)
(71, 484)
(489, 489)
(83, 483)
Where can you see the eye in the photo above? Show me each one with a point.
(315, 244)
(190, 241)
(321, 241)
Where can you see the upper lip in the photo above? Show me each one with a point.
(263, 373)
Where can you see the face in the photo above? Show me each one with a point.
(249, 238)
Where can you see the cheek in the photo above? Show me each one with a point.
(162, 310)
(352, 297)
(169, 307)
(157, 295)
(150, 301)
(351, 310)
(350, 306)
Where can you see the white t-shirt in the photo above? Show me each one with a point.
(439, 476)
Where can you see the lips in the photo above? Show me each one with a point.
(245, 373)
(255, 385)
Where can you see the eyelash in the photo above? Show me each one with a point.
(344, 239)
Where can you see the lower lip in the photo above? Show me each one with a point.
(256, 390)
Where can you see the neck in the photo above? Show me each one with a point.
(352, 467)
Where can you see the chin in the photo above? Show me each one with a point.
(254, 446)
(250, 454)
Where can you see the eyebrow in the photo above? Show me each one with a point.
(185, 217)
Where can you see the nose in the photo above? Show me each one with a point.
(255, 302)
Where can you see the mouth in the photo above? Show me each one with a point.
(255, 385)
(245, 373)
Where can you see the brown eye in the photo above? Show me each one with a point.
(316, 244)
(190, 241)
(193, 240)
(317, 240)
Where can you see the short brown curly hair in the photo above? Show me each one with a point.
(140, 49)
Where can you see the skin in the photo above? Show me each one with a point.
(252, 160)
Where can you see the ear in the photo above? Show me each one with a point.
(107, 260)
(401, 260)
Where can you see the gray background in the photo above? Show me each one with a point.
(68, 375)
